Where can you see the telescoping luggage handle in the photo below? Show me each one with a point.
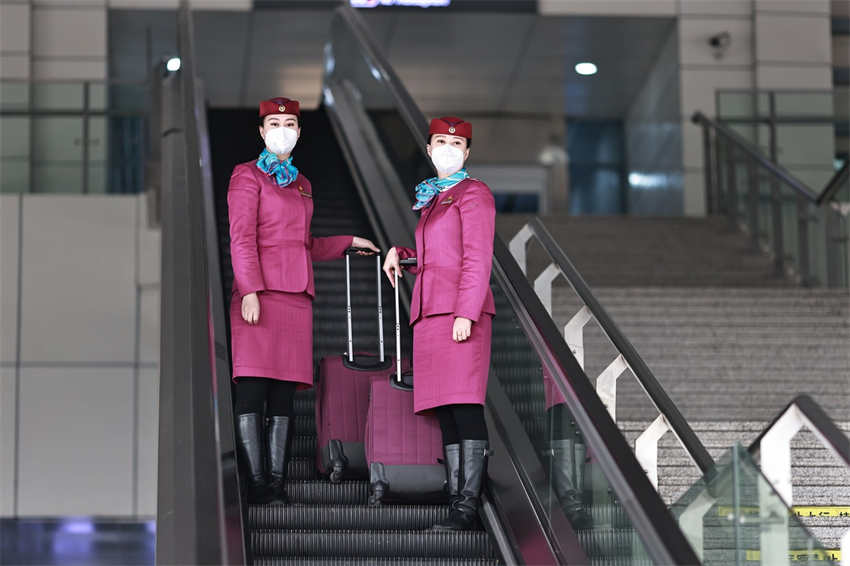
(399, 377)
(348, 253)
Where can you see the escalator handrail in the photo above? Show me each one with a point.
(679, 426)
(410, 112)
(665, 541)
(199, 516)
(824, 427)
(629, 481)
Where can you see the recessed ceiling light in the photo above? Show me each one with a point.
(586, 68)
(173, 64)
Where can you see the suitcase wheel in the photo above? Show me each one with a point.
(338, 461)
(336, 473)
(376, 493)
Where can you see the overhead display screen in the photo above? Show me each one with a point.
(418, 3)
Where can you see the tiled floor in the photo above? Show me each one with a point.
(83, 541)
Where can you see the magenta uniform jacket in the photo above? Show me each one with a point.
(454, 251)
(272, 252)
(270, 242)
(454, 241)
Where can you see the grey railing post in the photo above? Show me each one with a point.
(753, 193)
(710, 195)
(731, 179)
(775, 195)
(803, 242)
(85, 154)
(834, 259)
(722, 194)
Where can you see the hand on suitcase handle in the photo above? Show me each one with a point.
(363, 246)
(392, 266)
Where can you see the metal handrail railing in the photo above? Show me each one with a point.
(664, 540)
(723, 149)
(670, 418)
(834, 185)
(85, 110)
(756, 155)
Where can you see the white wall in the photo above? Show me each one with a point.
(81, 362)
(653, 132)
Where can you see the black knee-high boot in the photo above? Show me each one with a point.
(249, 440)
(451, 453)
(278, 449)
(473, 470)
(564, 463)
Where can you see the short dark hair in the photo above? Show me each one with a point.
(262, 121)
(468, 140)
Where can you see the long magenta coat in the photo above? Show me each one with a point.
(454, 251)
(272, 252)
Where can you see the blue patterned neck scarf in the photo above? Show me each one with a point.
(284, 172)
(427, 189)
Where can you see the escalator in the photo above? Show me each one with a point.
(331, 523)
(362, 150)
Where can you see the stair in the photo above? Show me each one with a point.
(653, 252)
(729, 343)
(331, 524)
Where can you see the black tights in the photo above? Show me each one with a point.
(462, 422)
(254, 392)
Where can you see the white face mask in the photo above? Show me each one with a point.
(447, 159)
(281, 140)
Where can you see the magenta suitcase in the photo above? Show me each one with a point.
(342, 397)
(403, 449)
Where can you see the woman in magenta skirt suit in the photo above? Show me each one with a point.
(271, 315)
(451, 311)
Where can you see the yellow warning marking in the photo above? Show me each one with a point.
(833, 555)
(799, 510)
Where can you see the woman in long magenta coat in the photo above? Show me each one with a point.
(271, 314)
(451, 311)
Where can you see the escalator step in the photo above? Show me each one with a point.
(605, 542)
(306, 395)
(623, 560)
(400, 561)
(304, 406)
(306, 423)
(302, 469)
(360, 517)
(320, 492)
(303, 446)
(461, 544)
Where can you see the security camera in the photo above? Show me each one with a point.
(719, 43)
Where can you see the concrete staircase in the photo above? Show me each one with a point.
(731, 344)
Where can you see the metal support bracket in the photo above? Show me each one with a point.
(606, 384)
(543, 285)
(518, 244)
(646, 447)
(574, 333)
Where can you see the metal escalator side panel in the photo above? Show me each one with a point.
(198, 512)
(374, 89)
